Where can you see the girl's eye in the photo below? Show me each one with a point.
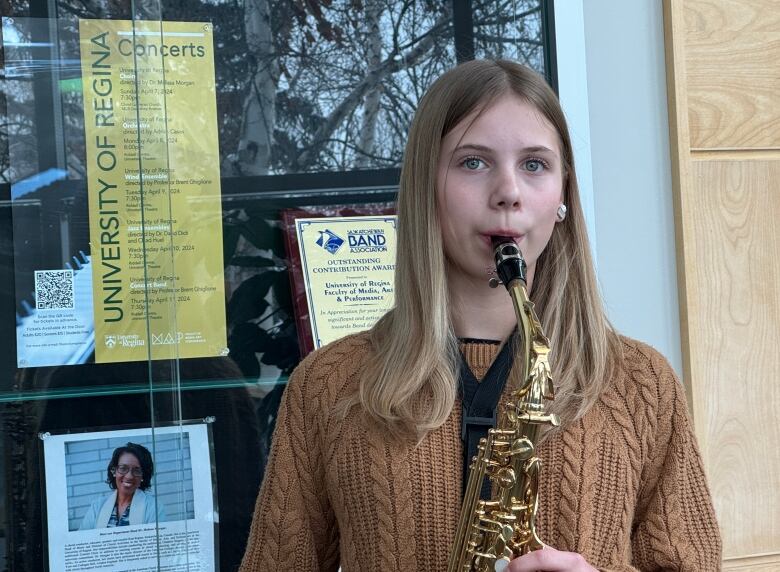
(536, 165)
(472, 163)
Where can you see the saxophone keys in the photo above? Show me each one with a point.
(522, 448)
(505, 478)
(502, 548)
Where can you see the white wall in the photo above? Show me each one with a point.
(632, 219)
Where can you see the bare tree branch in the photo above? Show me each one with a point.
(371, 105)
(389, 66)
(259, 117)
(87, 9)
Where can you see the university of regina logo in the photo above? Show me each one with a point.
(329, 240)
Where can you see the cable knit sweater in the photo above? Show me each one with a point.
(624, 486)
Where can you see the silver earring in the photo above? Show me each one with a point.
(561, 212)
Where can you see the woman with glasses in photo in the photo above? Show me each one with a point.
(129, 474)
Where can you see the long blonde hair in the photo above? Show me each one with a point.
(411, 383)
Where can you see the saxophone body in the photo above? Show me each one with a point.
(492, 532)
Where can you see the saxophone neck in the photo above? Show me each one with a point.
(537, 386)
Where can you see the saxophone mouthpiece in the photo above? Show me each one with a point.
(497, 241)
(510, 265)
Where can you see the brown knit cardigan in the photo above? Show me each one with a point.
(624, 486)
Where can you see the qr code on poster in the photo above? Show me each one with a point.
(53, 289)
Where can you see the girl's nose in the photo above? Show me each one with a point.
(506, 189)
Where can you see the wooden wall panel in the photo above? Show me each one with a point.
(734, 331)
(768, 563)
(733, 62)
(723, 80)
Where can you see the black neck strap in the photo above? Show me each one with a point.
(480, 401)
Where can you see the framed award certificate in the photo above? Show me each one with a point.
(346, 271)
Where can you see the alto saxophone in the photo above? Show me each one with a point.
(492, 532)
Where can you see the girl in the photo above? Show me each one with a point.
(366, 470)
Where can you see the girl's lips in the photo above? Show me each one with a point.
(502, 232)
(509, 234)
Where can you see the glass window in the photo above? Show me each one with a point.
(148, 155)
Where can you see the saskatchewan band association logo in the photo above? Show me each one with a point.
(329, 240)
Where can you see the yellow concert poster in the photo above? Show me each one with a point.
(154, 191)
(348, 266)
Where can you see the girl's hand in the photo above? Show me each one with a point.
(550, 560)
